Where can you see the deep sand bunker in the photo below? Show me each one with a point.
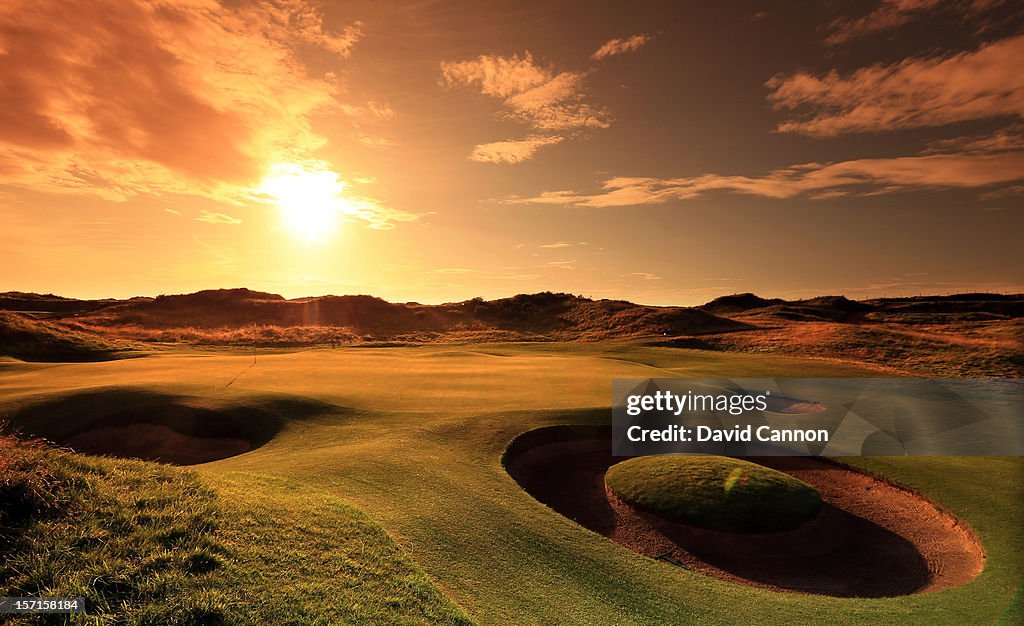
(870, 538)
(155, 435)
(154, 426)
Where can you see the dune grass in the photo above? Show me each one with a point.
(714, 492)
(394, 507)
(29, 339)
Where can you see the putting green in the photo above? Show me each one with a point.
(412, 442)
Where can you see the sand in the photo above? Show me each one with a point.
(155, 442)
(871, 538)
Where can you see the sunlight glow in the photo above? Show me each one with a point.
(309, 199)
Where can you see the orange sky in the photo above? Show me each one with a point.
(665, 153)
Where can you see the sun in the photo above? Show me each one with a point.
(310, 200)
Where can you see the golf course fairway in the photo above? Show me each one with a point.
(375, 492)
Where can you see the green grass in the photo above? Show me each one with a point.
(718, 493)
(394, 506)
(145, 543)
(136, 540)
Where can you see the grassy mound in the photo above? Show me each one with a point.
(29, 339)
(135, 539)
(149, 544)
(714, 492)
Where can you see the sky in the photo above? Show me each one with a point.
(434, 151)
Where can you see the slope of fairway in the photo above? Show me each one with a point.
(416, 442)
(150, 544)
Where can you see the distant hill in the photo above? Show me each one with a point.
(953, 335)
(21, 301)
(962, 307)
(839, 303)
(739, 302)
(553, 316)
(929, 334)
(821, 308)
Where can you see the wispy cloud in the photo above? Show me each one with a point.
(620, 46)
(372, 110)
(563, 244)
(374, 141)
(306, 23)
(497, 76)
(374, 213)
(916, 92)
(1005, 192)
(888, 15)
(512, 150)
(549, 103)
(891, 14)
(212, 217)
(814, 180)
(645, 275)
(455, 270)
(531, 93)
(1006, 139)
(562, 265)
(89, 89)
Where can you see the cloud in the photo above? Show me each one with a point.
(455, 270)
(562, 265)
(119, 98)
(217, 218)
(828, 194)
(891, 14)
(646, 275)
(620, 46)
(373, 141)
(306, 23)
(372, 110)
(531, 94)
(814, 180)
(1005, 192)
(888, 15)
(915, 92)
(1006, 139)
(375, 213)
(495, 75)
(513, 150)
(563, 244)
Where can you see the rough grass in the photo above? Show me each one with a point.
(714, 492)
(28, 339)
(985, 348)
(150, 544)
(261, 335)
(136, 540)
